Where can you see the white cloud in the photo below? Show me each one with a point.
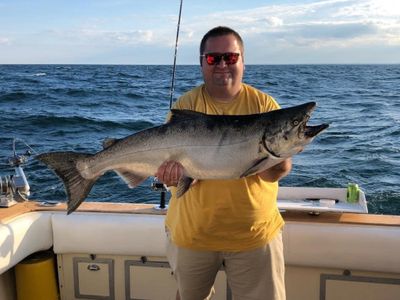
(344, 26)
(5, 41)
(93, 35)
(371, 9)
(132, 37)
(274, 21)
(332, 23)
(279, 30)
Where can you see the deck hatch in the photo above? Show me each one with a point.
(336, 286)
(88, 273)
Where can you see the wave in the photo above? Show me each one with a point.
(17, 96)
(56, 122)
(77, 92)
(384, 202)
(132, 95)
(39, 74)
(131, 76)
(92, 94)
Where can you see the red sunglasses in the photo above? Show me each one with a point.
(230, 58)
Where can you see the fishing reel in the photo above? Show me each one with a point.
(158, 186)
(15, 187)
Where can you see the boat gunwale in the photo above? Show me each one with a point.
(7, 214)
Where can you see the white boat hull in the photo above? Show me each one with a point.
(328, 256)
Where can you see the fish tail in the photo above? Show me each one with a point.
(64, 165)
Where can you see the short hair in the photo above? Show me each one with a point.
(220, 31)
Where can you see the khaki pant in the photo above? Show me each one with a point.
(256, 274)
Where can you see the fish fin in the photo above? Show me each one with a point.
(261, 165)
(64, 165)
(184, 114)
(130, 178)
(183, 185)
(108, 142)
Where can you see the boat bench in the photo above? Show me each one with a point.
(342, 246)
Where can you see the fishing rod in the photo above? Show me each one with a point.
(156, 185)
(175, 54)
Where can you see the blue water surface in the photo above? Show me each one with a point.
(74, 107)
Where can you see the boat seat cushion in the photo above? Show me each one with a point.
(119, 234)
(353, 247)
(22, 236)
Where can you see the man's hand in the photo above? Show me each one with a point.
(277, 172)
(170, 172)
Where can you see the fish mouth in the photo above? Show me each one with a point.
(308, 130)
(312, 131)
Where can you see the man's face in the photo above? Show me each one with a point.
(223, 75)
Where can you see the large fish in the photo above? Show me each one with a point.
(208, 147)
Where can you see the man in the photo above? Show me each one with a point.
(231, 223)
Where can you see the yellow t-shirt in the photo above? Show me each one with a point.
(225, 215)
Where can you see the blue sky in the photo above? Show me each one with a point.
(143, 32)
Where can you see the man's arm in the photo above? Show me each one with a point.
(277, 172)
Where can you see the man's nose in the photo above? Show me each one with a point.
(222, 63)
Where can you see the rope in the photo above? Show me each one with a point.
(14, 148)
(176, 51)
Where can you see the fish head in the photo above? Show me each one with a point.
(290, 132)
